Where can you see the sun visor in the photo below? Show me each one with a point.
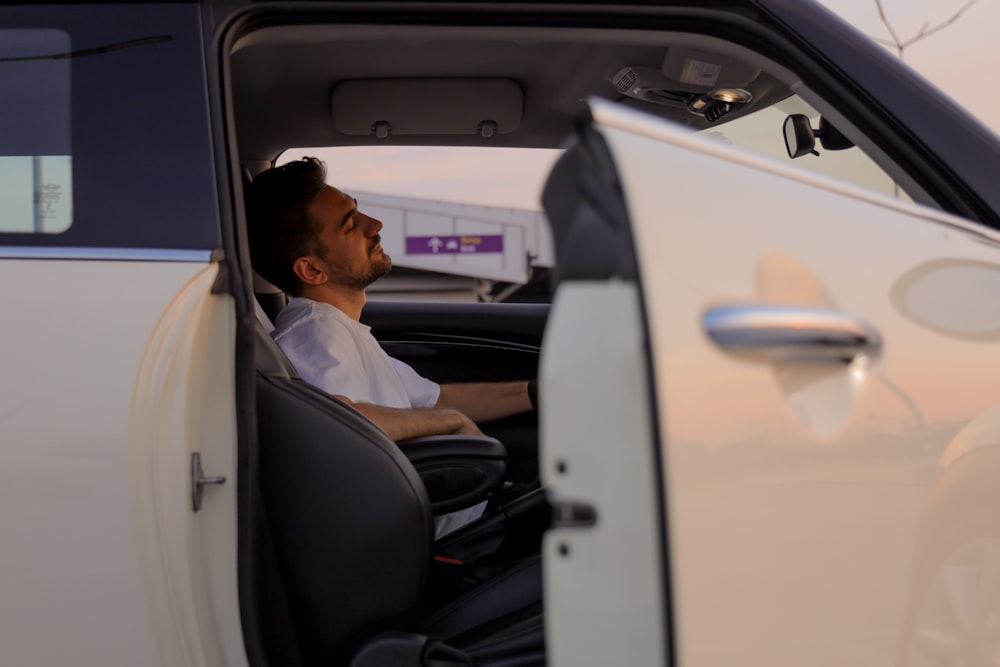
(698, 71)
(384, 107)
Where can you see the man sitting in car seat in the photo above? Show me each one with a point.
(310, 239)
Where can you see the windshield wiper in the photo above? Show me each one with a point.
(142, 41)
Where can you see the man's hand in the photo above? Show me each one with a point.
(468, 427)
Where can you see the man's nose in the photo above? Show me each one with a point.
(373, 225)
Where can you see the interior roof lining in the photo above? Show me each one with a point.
(265, 45)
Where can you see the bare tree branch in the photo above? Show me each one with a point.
(926, 31)
(888, 26)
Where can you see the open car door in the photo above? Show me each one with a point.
(814, 368)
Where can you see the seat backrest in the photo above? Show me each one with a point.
(270, 299)
(350, 518)
(263, 319)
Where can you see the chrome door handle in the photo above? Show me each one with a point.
(199, 481)
(780, 334)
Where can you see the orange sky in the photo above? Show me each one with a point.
(961, 58)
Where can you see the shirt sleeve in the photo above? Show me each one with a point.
(321, 359)
(423, 393)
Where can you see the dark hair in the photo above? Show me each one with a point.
(279, 229)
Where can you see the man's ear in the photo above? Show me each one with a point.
(310, 270)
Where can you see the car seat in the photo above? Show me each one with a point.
(352, 533)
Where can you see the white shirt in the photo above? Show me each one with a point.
(340, 356)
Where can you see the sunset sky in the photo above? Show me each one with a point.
(961, 59)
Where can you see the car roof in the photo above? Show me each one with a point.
(315, 81)
(327, 74)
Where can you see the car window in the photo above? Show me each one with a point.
(465, 223)
(36, 182)
(461, 223)
(763, 131)
(104, 140)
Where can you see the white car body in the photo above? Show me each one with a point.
(772, 446)
(98, 437)
(800, 549)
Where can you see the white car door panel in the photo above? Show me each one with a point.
(799, 481)
(107, 392)
(602, 562)
(183, 406)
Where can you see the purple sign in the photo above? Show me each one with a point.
(453, 245)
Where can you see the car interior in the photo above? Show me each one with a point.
(345, 566)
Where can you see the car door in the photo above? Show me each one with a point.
(823, 364)
(118, 344)
(462, 342)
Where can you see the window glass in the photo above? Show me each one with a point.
(763, 132)
(104, 131)
(36, 182)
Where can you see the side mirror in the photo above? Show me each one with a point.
(800, 138)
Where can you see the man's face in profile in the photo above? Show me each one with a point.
(354, 256)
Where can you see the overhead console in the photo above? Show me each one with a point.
(706, 84)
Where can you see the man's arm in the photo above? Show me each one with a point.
(485, 401)
(402, 423)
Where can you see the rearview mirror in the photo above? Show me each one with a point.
(800, 137)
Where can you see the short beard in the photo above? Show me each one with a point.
(377, 270)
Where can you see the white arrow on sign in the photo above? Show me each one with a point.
(435, 243)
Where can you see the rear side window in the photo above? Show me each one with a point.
(105, 139)
(36, 180)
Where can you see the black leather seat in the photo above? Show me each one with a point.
(352, 531)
